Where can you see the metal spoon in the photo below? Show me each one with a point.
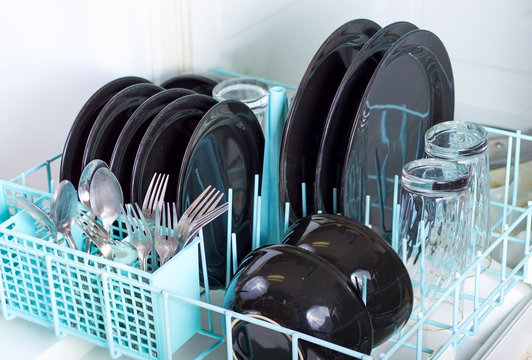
(84, 188)
(105, 196)
(64, 210)
(38, 214)
(85, 182)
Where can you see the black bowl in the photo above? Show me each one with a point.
(356, 250)
(292, 287)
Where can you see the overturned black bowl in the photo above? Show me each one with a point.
(291, 287)
(358, 251)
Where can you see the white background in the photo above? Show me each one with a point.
(55, 53)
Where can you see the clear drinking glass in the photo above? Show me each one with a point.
(467, 143)
(250, 91)
(433, 223)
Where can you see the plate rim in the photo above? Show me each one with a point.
(377, 43)
(84, 121)
(331, 44)
(410, 40)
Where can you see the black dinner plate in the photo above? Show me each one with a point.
(306, 117)
(343, 111)
(356, 250)
(201, 84)
(72, 159)
(411, 90)
(225, 151)
(112, 119)
(289, 286)
(125, 150)
(164, 143)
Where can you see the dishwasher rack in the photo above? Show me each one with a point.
(153, 315)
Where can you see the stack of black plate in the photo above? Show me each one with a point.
(139, 128)
(359, 114)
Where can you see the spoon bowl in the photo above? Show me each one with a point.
(85, 181)
(105, 196)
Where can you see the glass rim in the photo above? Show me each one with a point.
(435, 176)
(474, 139)
(261, 88)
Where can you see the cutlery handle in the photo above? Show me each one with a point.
(70, 240)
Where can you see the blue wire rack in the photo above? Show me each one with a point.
(153, 315)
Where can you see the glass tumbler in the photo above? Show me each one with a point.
(433, 223)
(250, 91)
(467, 143)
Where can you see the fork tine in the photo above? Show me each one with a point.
(204, 200)
(208, 204)
(174, 216)
(204, 220)
(215, 202)
(163, 187)
(165, 214)
(142, 221)
(198, 200)
(154, 196)
(147, 196)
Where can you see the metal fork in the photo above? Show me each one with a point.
(154, 194)
(197, 224)
(139, 233)
(166, 240)
(95, 233)
(204, 203)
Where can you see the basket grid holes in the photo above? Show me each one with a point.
(133, 318)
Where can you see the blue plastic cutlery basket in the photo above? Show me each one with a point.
(102, 301)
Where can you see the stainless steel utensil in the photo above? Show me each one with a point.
(154, 195)
(197, 224)
(165, 234)
(85, 182)
(64, 209)
(204, 203)
(84, 187)
(95, 233)
(38, 214)
(139, 233)
(105, 196)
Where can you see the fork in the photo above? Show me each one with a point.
(204, 203)
(198, 223)
(154, 194)
(95, 233)
(166, 240)
(139, 233)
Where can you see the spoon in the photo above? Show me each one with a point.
(64, 210)
(105, 196)
(85, 182)
(38, 214)
(84, 188)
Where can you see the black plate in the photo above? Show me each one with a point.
(343, 111)
(72, 160)
(127, 145)
(304, 124)
(201, 84)
(225, 151)
(411, 90)
(113, 118)
(289, 286)
(164, 143)
(356, 250)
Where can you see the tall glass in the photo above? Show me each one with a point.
(467, 143)
(433, 224)
(250, 91)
